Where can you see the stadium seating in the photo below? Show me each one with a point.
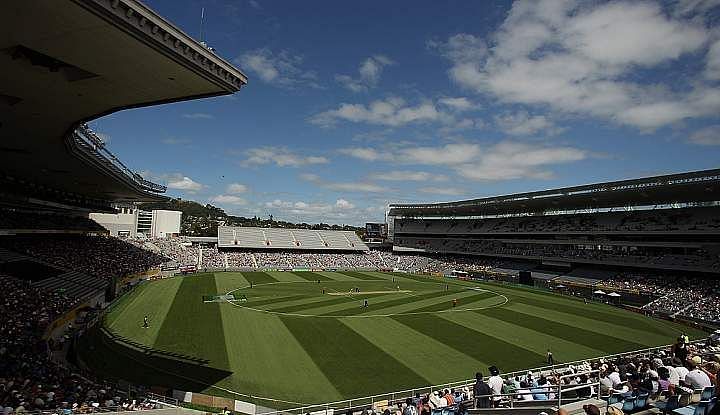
(21, 220)
(99, 256)
(283, 238)
(693, 220)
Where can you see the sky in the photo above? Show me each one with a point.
(351, 106)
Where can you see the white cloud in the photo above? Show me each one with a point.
(389, 112)
(198, 116)
(228, 200)
(343, 204)
(281, 68)
(409, 176)
(396, 112)
(340, 211)
(176, 181)
(443, 155)
(364, 153)
(708, 136)
(511, 160)
(369, 74)
(458, 103)
(501, 161)
(236, 188)
(712, 68)
(279, 156)
(356, 187)
(445, 191)
(522, 123)
(579, 58)
(185, 183)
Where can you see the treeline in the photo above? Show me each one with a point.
(203, 220)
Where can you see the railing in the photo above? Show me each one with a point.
(93, 146)
(391, 397)
(107, 410)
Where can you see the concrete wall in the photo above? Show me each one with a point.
(117, 223)
(165, 223)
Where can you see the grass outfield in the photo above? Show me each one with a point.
(305, 337)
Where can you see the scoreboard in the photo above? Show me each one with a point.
(376, 230)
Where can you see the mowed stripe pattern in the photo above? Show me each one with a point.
(413, 339)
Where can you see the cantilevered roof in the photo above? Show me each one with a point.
(70, 61)
(696, 186)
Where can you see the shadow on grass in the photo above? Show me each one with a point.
(117, 358)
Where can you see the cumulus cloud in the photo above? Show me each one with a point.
(396, 112)
(369, 74)
(708, 136)
(523, 123)
(500, 161)
(365, 153)
(185, 183)
(458, 103)
(409, 176)
(712, 69)
(356, 187)
(278, 68)
(391, 112)
(342, 210)
(177, 181)
(228, 200)
(444, 191)
(579, 58)
(236, 188)
(280, 156)
(511, 160)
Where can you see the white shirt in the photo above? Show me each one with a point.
(525, 395)
(495, 383)
(674, 377)
(615, 378)
(682, 371)
(697, 379)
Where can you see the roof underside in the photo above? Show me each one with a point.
(65, 62)
(691, 187)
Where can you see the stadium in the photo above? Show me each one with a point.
(592, 298)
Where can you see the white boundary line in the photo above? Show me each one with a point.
(457, 310)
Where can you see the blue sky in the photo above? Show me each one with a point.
(354, 105)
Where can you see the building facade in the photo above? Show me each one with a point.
(134, 223)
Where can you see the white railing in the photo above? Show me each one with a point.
(392, 397)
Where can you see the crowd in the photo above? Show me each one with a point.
(30, 379)
(14, 219)
(179, 249)
(698, 259)
(656, 220)
(212, 258)
(103, 257)
(681, 370)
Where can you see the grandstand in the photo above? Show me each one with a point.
(64, 64)
(669, 222)
(58, 74)
(289, 239)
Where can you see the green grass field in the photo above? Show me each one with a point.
(292, 341)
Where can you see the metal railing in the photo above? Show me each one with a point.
(86, 141)
(391, 397)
